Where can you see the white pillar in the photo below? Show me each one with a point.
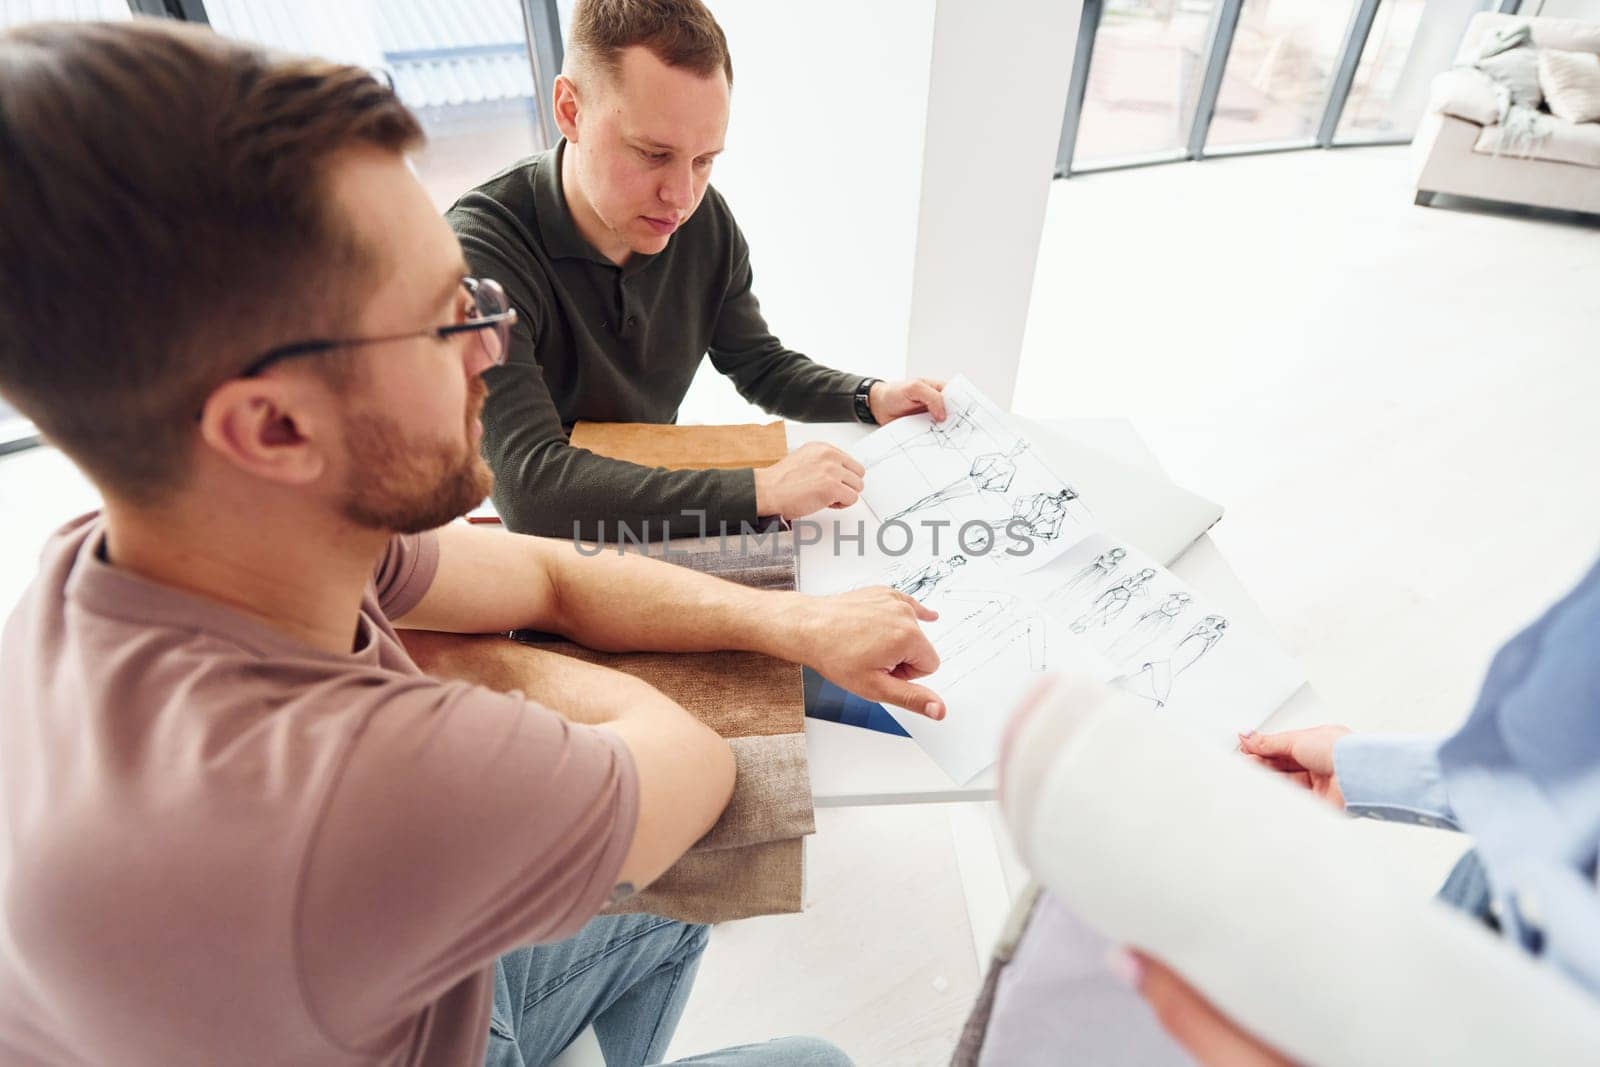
(996, 93)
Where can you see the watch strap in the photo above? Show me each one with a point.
(864, 401)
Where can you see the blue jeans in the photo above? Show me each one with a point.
(627, 976)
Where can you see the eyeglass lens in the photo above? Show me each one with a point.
(489, 300)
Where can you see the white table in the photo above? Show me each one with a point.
(853, 767)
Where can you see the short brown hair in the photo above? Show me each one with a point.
(163, 218)
(680, 33)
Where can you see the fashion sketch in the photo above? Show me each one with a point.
(1094, 575)
(918, 584)
(1154, 680)
(1149, 628)
(1110, 605)
(1038, 515)
(991, 472)
(993, 623)
(1042, 514)
(953, 432)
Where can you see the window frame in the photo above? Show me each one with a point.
(542, 27)
(1224, 24)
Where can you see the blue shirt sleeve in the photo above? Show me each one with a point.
(1394, 777)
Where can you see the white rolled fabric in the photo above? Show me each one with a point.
(1266, 899)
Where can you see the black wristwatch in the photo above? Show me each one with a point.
(864, 401)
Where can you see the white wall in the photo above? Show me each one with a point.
(996, 97)
(889, 161)
(822, 170)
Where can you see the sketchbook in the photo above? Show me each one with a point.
(974, 518)
(1276, 907)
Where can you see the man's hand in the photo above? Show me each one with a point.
(1208, 1035)
(1304, 757)
(812, 477)
(893, 400)
(869, 642)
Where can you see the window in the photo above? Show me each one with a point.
(15, 431)
(1410, 42)
(1275, 86)
(14, 12)
(1157, 81)
(461, 65)
(1148, 60)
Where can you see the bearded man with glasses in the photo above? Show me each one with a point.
(237, 822)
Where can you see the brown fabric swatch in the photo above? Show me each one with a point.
(762, 560)
(771, 795)
(752, 862)
(737, 694)
(728, 884)
(684, 447)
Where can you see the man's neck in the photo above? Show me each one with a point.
(299, 574)
(584, 217)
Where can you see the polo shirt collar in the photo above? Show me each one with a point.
(561, 237)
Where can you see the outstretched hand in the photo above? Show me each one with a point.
(1210, 1037)
(870, 642)
(1303, 757)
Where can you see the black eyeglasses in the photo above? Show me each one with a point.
(491, 319)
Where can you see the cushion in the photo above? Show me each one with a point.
(1571, 84)
(1517, 72)
(1554, 139)
(1572, 35)
(1467, 94)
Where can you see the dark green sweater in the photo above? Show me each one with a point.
(598, 342)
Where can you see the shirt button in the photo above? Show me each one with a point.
(631, 322)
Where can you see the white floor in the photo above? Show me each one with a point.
(1397, 406)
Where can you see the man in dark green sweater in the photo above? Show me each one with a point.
(626, 268)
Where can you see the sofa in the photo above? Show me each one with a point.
(1470, 143)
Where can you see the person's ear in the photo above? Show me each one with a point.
(268, 427)
(564, 103)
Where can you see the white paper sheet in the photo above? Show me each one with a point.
(966, 516)
(1102, 608)
(978, 476)
(1268, 901)
(1136, 505)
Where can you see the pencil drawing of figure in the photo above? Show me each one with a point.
(920, 583)
(1094, 575)
(953, 431)
(1038, 516)
(1108, 606)
(991, 472)
(996, 623)
(1150, 627)
(1042, 514)
(1154, 680)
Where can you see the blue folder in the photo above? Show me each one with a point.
(824, 700)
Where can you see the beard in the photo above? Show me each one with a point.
(399, 485)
